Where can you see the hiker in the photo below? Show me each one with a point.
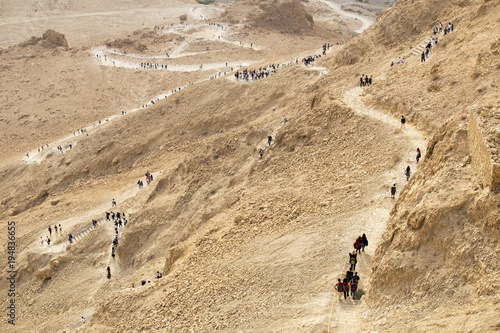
(346, 287)
(393, 191)
(269, 139)
(261, 152)
(355, 278)
(113, 252)
(403, 122)
(357, 244)
(422, 57)
(419, 155)
(407, 172)
(107, 216)
(348, 275)
(158, 275)
(340, 288)
(113, 216)
(70, 238)
(113, 203)
(361, 80)
(109, 273)
(364, 242)
(60, 228)
(354, 288)
(41, 240)
(353, 260)
(48, 240)
(84, 320)
(50, 231)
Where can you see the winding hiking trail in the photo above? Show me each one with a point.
(365, 21)
(76, 221)
(345, 315)
(172, 68)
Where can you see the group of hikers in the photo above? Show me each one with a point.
(43, 147)
(434, 41)
(149, 179)
(399, 61)
(364, 80)
(308, 60)
(254, 74)
(351, 280)
(446, 30)
(57, 230)
(119, 221)
(148, 65)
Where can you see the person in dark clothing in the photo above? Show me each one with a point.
(393, 191)
(355, 278)
(269, 139)
(354, 288)
(348, 275)
(422, 57)
(419, 155)
(109, 272)
(364, 242)
(408, 172)
(403, 122)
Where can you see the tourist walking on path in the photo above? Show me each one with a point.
(419, 155)
(364, 242)
(340, 288)
(354, 288)
(346, 285)
(353, 260)
(357, 244)
(393, 191)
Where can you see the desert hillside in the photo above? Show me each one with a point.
(268, 160)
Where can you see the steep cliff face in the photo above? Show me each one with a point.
(440, 254)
